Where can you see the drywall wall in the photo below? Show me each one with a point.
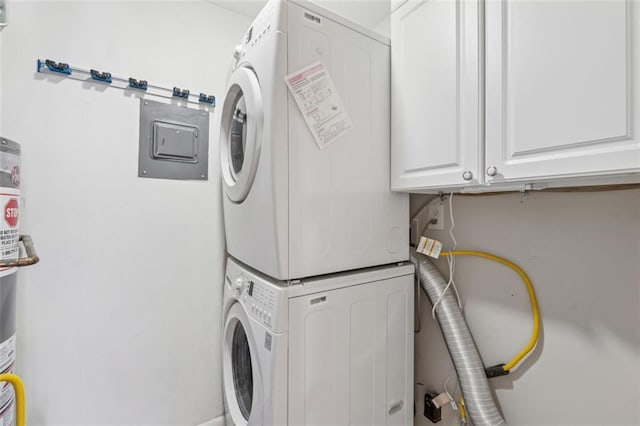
(120, 322)
(582, 251)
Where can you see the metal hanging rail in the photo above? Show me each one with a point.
(61, 69)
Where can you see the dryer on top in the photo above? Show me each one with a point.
(291, 209)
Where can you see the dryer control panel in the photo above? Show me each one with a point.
(265, 23)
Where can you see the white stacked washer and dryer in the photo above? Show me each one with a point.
(318, 294)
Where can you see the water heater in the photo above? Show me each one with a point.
(10, 261)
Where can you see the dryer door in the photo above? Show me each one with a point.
(241, 370)
(241, 133)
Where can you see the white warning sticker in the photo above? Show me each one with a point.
(7, 413)
(318, 100)
(7, 352)
(429, 247)
(9, 226)
(7, 362)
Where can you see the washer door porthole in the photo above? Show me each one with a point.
(241, 370)
(243, 392)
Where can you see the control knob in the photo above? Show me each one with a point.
(237, 54)
(238, 286)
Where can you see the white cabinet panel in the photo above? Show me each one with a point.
(351, 355)
(435, 94)
(561, 88)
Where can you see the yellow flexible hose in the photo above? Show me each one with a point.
(462, 409)
(18, 388)
(532, 298)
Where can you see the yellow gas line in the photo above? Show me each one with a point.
(532, 299)
(18, 388)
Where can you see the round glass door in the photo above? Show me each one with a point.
(242, 385)
(240, 133)
(241, 370)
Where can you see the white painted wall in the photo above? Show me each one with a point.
(582, 251)
(120, 322)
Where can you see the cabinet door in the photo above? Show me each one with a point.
(351, 355)
(563, 86)
(435, 91)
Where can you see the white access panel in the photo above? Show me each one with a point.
(351, 355)
(563, 88)
(435, 88)
(342, 213)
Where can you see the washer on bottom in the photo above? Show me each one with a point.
(335, 349)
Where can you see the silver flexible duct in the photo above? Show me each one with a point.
(473, 381)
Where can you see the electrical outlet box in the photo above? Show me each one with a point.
(435, 212)
(174, 142)
(431, 411)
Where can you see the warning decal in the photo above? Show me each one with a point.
(7, 362)
(9, 224)
(318, 100)
(11, 210)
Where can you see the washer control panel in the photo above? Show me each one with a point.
(261, 302)
(260, 299)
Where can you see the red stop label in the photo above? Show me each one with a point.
(11, 211)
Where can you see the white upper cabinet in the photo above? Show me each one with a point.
(529, 91)
(562, 88)
(435, 94)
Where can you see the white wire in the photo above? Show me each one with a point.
(454, 399)
(456, 388)
(453, 222)
(455, 287)
(455, 244)
(451, 260)
(446, 382)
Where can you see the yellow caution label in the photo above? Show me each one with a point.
(429, 247)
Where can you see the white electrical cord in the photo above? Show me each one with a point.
(453, 222)
(446, 382)
(452, 396)
(455, 244)
(451, 260)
